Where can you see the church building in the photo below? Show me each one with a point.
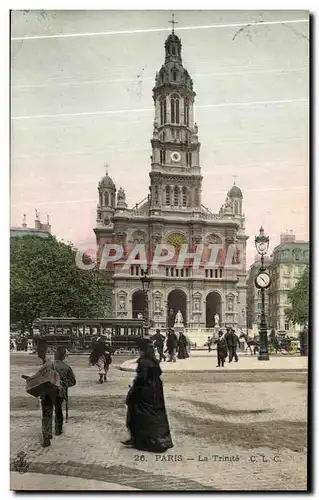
(173, 213)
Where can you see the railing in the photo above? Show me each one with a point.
(142, 209)
(160, 272)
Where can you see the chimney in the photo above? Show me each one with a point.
(288, 237)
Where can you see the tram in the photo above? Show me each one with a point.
(80, 333)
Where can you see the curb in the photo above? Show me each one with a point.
(244, 370)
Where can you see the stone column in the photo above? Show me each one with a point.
(191, 114)
(180, 204)
(158, 111)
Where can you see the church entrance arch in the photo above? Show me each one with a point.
(213, 306)
(177, 301)
(138, 303)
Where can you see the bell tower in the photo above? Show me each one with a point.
(175, 171)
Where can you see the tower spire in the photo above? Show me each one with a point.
(172, 22)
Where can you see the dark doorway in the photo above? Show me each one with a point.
(176, 301)
(138, 303)
(213, 306)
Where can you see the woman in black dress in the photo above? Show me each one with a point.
(182, 347)
(146, 420)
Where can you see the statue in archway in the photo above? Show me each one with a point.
(179, 321)
(216, 319)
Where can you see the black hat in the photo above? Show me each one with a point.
(143, 342)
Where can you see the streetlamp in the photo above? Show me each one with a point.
(146, 281)
(262, 282)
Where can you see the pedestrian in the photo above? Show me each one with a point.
(159, 339)
(50, 400)
(221, 349)
(171, 344)
(147, 420)
(232, 342)
(67, 379)
(108, 362)
(209, 344)
(303, 340)
(100, 359)
(182, 344)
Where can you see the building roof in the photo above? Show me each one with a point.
(290, 246)
(235, 192)
(107, 182)
(29, 231)
(172, 72)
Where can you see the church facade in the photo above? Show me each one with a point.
(173, 213)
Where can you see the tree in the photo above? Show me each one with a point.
(45, 281)
(299, 299)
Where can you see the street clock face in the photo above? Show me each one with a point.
(175, 157)
(262, 246)
(262, 280)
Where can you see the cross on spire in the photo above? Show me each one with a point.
(235, 177)
(172, 22)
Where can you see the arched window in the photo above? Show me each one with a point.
(163, 110)
(196, 196)
(156, 197)
(175, 108)
(186, 112)
(167, 195)
(106, 199)
(188, 159)
(174, 76)
(236, 207)
(173, 50)
(184, 197)
(162, 156)
(176, 195)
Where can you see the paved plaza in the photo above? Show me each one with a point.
(231, 431)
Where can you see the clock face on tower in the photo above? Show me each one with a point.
(175, 157)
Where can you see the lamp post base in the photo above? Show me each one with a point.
(263, 357)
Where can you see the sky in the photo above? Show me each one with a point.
(82, 101)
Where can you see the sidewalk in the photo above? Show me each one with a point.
(35, 482)
(245, 364)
